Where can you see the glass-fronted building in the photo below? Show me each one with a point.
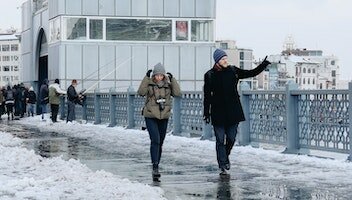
(112, 43)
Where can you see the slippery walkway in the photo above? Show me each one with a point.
(188, 166)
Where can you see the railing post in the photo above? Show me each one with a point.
(130, 107)
(350, 118)
(84, 110)
(112, 104)
(244, 127)
(292, 120)
(207, 131)
(97, 107)
(62, 107)
(176, 115)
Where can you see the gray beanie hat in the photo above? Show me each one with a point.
(159, 69)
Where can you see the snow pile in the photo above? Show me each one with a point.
(25, 175)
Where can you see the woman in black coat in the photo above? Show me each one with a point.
(222, 103)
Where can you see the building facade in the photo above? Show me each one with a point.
(108, 44)
(10, 56)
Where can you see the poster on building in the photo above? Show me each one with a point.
(182, 30)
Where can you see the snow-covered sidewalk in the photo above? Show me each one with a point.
(25, 175)
(28, 174)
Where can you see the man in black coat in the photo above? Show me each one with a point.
(72, 99)
(222, 104)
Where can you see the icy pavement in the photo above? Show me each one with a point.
(188, 165)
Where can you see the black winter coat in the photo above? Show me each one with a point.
(221, 98)
(72, 94)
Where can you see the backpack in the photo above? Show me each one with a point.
(9, 95)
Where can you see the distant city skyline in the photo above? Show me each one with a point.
(264, 25)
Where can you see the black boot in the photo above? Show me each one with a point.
(155, 171)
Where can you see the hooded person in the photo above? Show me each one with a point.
(157, 87)
(221, 102)
(32, 99)
(55, 92)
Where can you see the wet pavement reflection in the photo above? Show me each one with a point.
(179, 180)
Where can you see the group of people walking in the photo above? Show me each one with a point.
(18, 100)
(221, 103)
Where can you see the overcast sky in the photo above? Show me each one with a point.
(264, 25)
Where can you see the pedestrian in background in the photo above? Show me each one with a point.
(2, 102)
(32, 99)
(72, 99)
(157, 90)
(222, 104)
(44, 97)
(9, 102)
(55, 92)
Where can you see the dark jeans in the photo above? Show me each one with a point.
(54, 112)
(71, 115)
(157, 131)
(225, 139)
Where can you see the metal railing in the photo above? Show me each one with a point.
(301, 120)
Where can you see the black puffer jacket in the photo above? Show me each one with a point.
(221, 98)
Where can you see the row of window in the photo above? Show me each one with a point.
(9, 78)
(299, 81)
(125, 29)
(8, 47)
(306, 70)
(9, 58)
(7, 68)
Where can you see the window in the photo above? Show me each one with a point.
(241, 65)
(308, 81)
(76, 28)
(14, 47)
(55, 30)
(201, 31)
(313, 81)
(223, 45)
(5, 58)
(96, 29)
(6, 68)
(333, 62)
(304, 81)
(241, 55)
(15, 58)
(313, 71)
(334, 82)
(5, 47)
(333, 73)
(309, 71)
(304, 70)
(182, 30)
(139, 29)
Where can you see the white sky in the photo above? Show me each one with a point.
(264, 25)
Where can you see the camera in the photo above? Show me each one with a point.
(161, 103)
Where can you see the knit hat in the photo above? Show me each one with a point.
(218, 54)
(159, 69)
(57, 81)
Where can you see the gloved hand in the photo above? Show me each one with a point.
(148, 73)
(170, 75)
(266, 62)
(206, 118)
